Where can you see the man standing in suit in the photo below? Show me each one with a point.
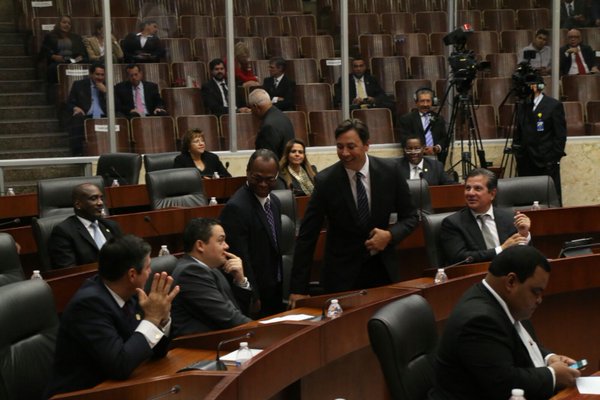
(480, 230)
(78, 239)
(573, 14)
(368, 209)
(276, 128)
(576, 58)
(111, 325)
(207, 300)
(215, 91)
(279, 86)
(489, 346)
(87, 99)
(136, 97)
(365, 91)
(424, 122)
(414, 166)
(540, 136)
(144, 46)
(252, 220)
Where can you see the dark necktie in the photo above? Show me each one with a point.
(570, 9)
(129, 314)
(362, 201)
(271, 221)
(225, 90)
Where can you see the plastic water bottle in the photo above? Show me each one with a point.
(36, 275)
(216, 175)
(213, 201)
(535, 206)
(243, 354)
(10, 192)
(517, 394)
(115, 183)
(164, 251)
(334, 310)
(440, 276)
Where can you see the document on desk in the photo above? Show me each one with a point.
(291, 317)
(588, 385)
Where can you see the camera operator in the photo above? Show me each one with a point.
(540, 134)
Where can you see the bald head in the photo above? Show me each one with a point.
(259, 101)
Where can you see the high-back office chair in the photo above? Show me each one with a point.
(27, 342)
(159, 161)
(419, 193)
(432, 226)
(124, 167)
(10, 267)
(520, 192)
(158, 265)
(403, 335)
(54, 195)
(180, 187)
(42, 229)
(288, 235)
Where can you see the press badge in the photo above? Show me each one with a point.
(539, 124)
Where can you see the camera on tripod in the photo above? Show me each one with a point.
(522, 79)
(463, 63)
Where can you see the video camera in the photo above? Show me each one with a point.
(463, 63)
(522, 79)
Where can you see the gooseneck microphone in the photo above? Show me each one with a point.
(220, 364)
(344, 296)
(465, 261)
(148, 220)
(118, 175)
(173, 390)
(11, 222)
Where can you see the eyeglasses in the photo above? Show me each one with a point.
(266, 179)
(416, 150)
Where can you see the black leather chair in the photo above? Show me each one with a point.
(42, 229)
(432, 226)
(288, 202)
(158, 265)
(403, 335)
(159, 161)
(55, 195)
(419, 193)
(288, 235)
(180, 187)
(27, 340)
(10, 267)
(124, 167)
(519, 193)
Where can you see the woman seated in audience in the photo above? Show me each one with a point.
(194, 155)
(95, 45)
(244, 75)
(295, 170)
(61, 46)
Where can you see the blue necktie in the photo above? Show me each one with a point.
(96, 109)
(98, 236)
(428, 135)
(362, 201)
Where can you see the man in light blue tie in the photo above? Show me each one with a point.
(78, 239)
(87, 99)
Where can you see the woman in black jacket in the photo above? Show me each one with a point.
(61, 46)
(194, 155)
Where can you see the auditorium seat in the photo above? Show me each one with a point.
(298, 119)
(484, 42)
(387, 70)
(122, 25)
(499, 20)
(54, 195)
(302, 70)
(396, 23)
(209, 48)
(486, 121)
(247, 128)
(493, 90)
(379, 121)
(208, 124)
(188, 8)
(518, 4)
(183, 101)
(287, 7)
(313, 97)
(152, 134)
(84, 26)
(67, 74)
(432, 227)
(282, 46)
(593, 117)
(381, 6)
(471, 17)
(265, 25)
(167, 24)
(322, 126)
(317, 47)
(520, 192)
(240, 23)
(436, 43)
(159, 161)
(514, 40)
(427, 67)
(184, 73)
(42, 229)
(411, 44)
(581, 88)
(260, 68)
(10, 268)
(299, 25)
(81, 8)
(194, 26)
(486, 4)
(360, 24)
(124, 167)
(414, 6)
(97, 140)
(120, 8)
(331, 70)
(535, 18)
(256, 46)
(376, 45)
(403, 335)
(178, 187)
(574, 118)
(502, 64)
(256, 7)
(431, 21)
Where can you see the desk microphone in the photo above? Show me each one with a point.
(465, 261)
(12, 221)
(345, 296)
(174, 390)
(220, 364)
(114, 171)
(148, 219)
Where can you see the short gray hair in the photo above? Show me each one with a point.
(258, 96)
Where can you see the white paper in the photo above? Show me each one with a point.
(77, 72)
(588, 385)
(104, 128)
(291, 317)
(229, 359)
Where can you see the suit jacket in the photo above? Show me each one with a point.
(81, 96)
(71, 244)
(541, 147)
(433, 171)
(249, 237)
(212, 164)
(92, 45)
(213, 101)
(345, 252)
(50, 47)
(410, 124)
(275, 131)
(132, 48)
(588, 54)
(461, 236)
(579, 8)
(284, 89)
(97, 340)
(372, 86)
(206, 300)
(124, 101)
(481, 356)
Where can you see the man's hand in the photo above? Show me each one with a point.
(159, 110)
(295, 297)
(157, 304)
(522, 223)
(429, 150)
(244, 110)
(514, 240)
(77, 110)
(378, 240)
(234, 267)
(100, 86)
(554, 358)
(357, 101)
(565, 376)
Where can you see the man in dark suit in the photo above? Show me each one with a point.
(576, 58)
(368, 209)
(136, 97)
(489, 346)
(252, 220)
(207, 301)
(276, 128)
(111, 325)
(413, 164)
(144, 46)
(279, 86)
(573, 14)
(215, 91)
(423, 121)
(87, 99)
(480, 230)
(78, 239)
(540, 136)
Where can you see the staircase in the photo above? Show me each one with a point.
(29, 126)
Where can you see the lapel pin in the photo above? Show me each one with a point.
(138, 317)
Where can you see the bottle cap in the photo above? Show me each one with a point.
(36, 271)
(536, 202)
(334, 301)
(243, 344)
(163, 246)
(518, 392)
(440, 270)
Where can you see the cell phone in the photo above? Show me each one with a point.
(581, 364)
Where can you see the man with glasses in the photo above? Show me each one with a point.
(576, 58)
(252, 220)
(414, 166)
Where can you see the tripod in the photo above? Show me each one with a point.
(508, 163)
